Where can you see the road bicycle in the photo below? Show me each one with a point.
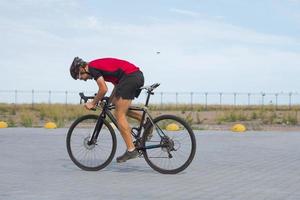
(167, 143)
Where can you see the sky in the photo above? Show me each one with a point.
(186, 45)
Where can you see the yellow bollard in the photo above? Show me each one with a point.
(172, 127)
(238, 128)
(50, 125)
(3, 124)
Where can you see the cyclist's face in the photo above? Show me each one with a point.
(83, 74)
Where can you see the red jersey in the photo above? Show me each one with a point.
(111, 69)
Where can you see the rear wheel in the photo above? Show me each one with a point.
(95, 156)
(173, 152)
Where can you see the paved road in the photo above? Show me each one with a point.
(34, 165)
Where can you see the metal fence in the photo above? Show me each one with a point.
(160, 98)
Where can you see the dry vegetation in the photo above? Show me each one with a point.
(199, 116)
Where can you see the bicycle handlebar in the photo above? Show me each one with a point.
(85, 98)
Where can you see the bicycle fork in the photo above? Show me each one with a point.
(98, 127)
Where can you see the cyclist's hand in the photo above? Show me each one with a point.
(90, 105)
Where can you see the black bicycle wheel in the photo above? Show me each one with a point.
(179, 144)
(91, 157)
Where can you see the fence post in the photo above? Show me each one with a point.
(220, 99)
(176, 99)
(290, 100)
(249, 99)
(49, 100)
(206, 93)
(66, 97)
(161, 99)
(192, 100)
(32, 98)
(16, 97)
(263, 99)
(234, 96)
(276, 101)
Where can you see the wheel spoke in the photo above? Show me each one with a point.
(94, 156)
(181, 138)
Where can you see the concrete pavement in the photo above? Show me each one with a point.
(34, 164)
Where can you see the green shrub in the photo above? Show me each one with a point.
(290, 119)
(189, 118)
(254, 116)
(11, 123)
(242, 116)
(198, 120)
(232, 117)
(26, 120)
(272, 117)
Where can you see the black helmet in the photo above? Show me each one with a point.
(76, 64)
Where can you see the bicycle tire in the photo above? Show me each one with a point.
(183, 127)
(110, 134)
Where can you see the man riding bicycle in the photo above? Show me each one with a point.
(126, 78)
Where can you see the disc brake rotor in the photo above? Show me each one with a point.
(87, 145)
(168, 145)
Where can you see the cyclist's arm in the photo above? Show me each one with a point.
(101, 91)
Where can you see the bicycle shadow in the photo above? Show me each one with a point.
(114, 167)
(132, 166)
(129, 168)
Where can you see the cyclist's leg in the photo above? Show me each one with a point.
(125, 93)
(130, 113)
(138, 116)
(122, 106)
(134, 114)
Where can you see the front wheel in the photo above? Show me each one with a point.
(95, 156)
(170, 145)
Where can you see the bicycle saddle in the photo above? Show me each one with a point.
(151, 87)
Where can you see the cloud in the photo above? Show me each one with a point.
(294, 1)
(202, 54)
(184, 12)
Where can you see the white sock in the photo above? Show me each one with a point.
(131, 150)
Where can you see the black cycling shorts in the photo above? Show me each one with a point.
(129, 85)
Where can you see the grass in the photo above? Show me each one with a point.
(37, 115)
(28, 116)
(201, 107)
(268, 117)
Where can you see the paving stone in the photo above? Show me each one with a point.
(34, 164)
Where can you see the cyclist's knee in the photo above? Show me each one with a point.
(120, 115)
(121, 103)
(114, 100)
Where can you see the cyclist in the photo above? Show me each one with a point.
(126, 78)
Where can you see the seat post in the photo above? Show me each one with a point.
(148, 98)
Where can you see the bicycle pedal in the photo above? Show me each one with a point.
(140, 155)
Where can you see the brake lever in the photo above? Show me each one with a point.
(82, 97)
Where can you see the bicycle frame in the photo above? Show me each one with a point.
(106, 111)
(150, 133)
